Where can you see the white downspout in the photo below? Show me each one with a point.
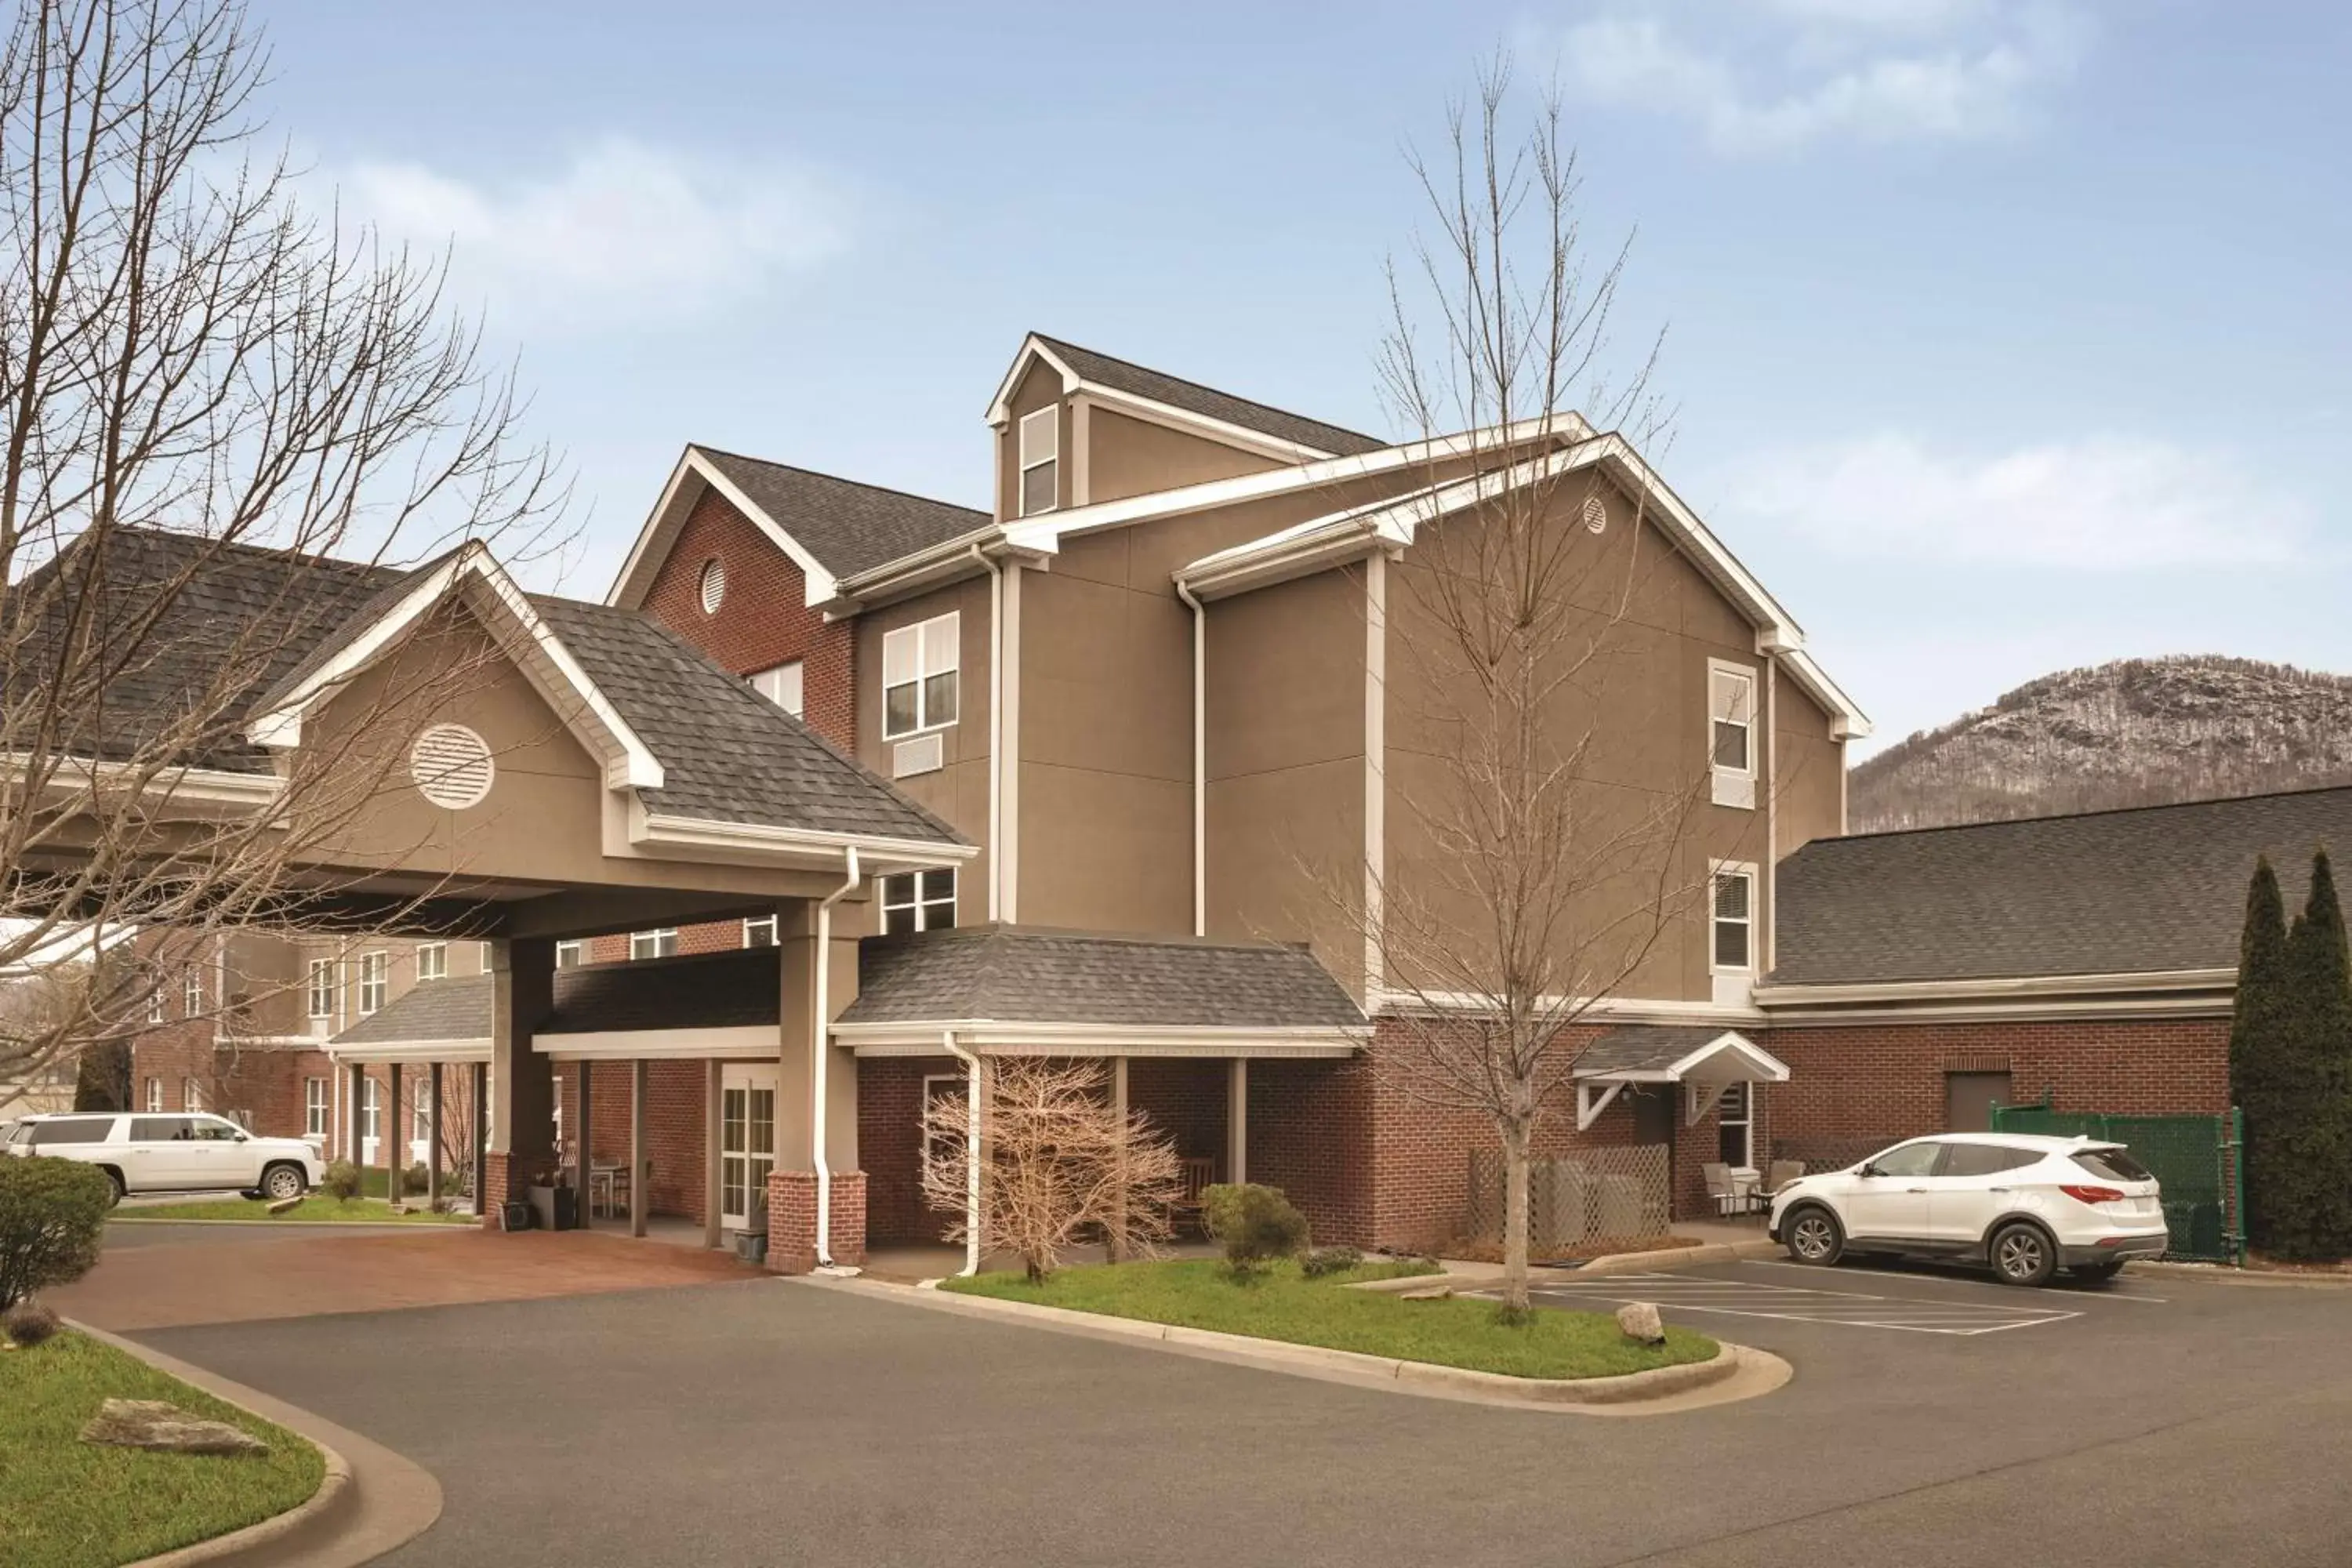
(1200, 760)
(821, 1044)
(970, 1153)
(995, 725)
(1771, 759)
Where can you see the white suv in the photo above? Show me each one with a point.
(176, 1154)
(2026, 1206)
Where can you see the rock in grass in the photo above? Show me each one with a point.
(1640, 1321)
(286, 1205)
(1427, 1293)
(157, 1424)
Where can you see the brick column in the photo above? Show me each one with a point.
(792, 1220)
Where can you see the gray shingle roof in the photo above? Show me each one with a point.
(1139, 381)
(707, 991)
(1644, 1048)
(2112, 893)
(1017, 974)
(848, 526)
(455, 1009)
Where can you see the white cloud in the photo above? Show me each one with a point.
(623, 234)
(2105, 502)
(1793, 72)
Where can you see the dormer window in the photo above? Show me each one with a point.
(1041, 451)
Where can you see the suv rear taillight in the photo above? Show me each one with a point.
(2093, 1195)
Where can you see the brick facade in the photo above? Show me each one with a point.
(675, 1144)
(792, 1220)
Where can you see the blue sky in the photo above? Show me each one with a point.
(2004, 336)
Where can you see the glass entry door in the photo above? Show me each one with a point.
(747, 1142)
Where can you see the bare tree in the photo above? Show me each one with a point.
(1537, 855)
(216, 400)
(1059, 1161)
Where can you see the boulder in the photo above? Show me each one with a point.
(1640, 1321)
(156, 1424)
(286, 1205)
(1427, 1293)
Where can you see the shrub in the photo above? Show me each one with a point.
(342, 1181)
(29, 1323)
(1254, 1224)
(416, 1179)
(52, 1215)
(1320, 1261)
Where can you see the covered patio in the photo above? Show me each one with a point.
(1673, 1079)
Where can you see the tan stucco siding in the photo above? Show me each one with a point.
(1039, 387)
(1810, 766)
(1105, 851)
(958, 792)
(1128, 456)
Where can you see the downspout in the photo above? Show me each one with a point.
(821, 1044)
(1772, 813)
(1200, 760)
(995, 723)
(970, 1153)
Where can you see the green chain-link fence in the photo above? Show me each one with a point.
(2197, 1160)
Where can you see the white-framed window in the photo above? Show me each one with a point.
(570, 954)
(191, 993)
(314, 1107)
(1732, 917)
(155, 1097)
(1735, 1116)
(760, 932)
(156, 1006)
(1041, 451)
(376, 971)
(712, 588)
(1731, 732)
(482, 958)
(371, 1109)
(662, 944)
(433, 961)
(319, 993)
(919, 901)
(192, 1095)
(781, 685)
(420, 1114)
(919, 675)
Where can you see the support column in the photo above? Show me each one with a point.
(354, 1113)
(638, 1183)
(477, 1140)
(712, 1109)
(433, 1142)
(521, 1081)
(390, 1138)
(1237, 1119)
(1118, 1249)
(583, 1152)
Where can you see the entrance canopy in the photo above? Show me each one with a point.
(1706, 1059)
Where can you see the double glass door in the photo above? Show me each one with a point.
(747, 1142)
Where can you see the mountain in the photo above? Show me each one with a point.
(2139, 732)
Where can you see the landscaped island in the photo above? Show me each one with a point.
(317, 1209)
(65, 1504)
(1280, 1303)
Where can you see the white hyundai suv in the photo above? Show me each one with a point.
(173, 1154)
(2026, 1206)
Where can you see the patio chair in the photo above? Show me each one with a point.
(1731, 1197)
(1783, 1171)
(1191, 1176)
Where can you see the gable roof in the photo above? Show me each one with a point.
(1037, 975)
(2147, 890)
(431, 1010)
(1085, 369)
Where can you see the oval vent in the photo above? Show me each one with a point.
(1596, 516)
(452, 766)
(714, 584)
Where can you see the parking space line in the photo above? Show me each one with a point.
(1850, 1269)
(1798, 1303)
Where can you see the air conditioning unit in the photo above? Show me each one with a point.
(1735, 789)
(923, 754)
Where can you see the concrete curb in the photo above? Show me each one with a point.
(1672, 1258)
(369, 1501)
(326, 1225)
(1735, 1373)
(2222, 1274)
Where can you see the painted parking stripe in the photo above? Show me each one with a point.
(1795, 1303)
(1851, 1270)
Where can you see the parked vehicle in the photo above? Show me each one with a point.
(2025, 1205)
(176, 1154)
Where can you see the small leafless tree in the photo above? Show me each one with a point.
(190, 354)
(1542, 843)
(1057, 1163)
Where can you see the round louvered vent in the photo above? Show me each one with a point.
(714, 584)
(452, 766)
(1596, 516)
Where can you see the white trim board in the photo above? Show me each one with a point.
(378, 1052)
(670, 515)
(991, 1037)
(747, 1040)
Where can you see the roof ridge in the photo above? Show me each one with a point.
(839, 478)
(2078, 815)
(1204, 386)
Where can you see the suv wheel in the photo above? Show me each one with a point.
(1814, 1237)
(2023, 1255)
(114, 1180)
(282, 1182)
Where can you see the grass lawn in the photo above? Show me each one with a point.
(68, 1504)
(1283, 1305)
(316, 1209)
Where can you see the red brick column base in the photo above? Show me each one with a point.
(494, 1190)
(792, 1220)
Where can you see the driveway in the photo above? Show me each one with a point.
(780, 1422)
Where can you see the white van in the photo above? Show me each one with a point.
(190, 1153)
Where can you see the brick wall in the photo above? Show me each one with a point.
(1185, 1099)
(891, 1147)
(716, 936)
(1310, 1135)
(674, 1128)
(792, 1220)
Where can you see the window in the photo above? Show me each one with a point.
(155, 1006)
(918, 675)
(482, 952)
(919, 901)
(1734, 920)
(159, 1129)
(420, 1114)
(322, 988)
(1041, 446)
(570, 954)
(74, 1128)
(370, 1108)
(1735, 1137)
(1730, 738)
(1909, 1159)
(154, 1094)
(191, 994)
(781, 685)
(662, 944)
(713, 586)
(2114, 1165)
(1985, 1160)
(373, 969)
(433, 961)
(760, 932)
(212, 1130)
(314, 1107)
(192, 1095)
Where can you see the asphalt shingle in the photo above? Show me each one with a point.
(848, 526)
(1140, 381)
(453, 1009)
(1642, 1048)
